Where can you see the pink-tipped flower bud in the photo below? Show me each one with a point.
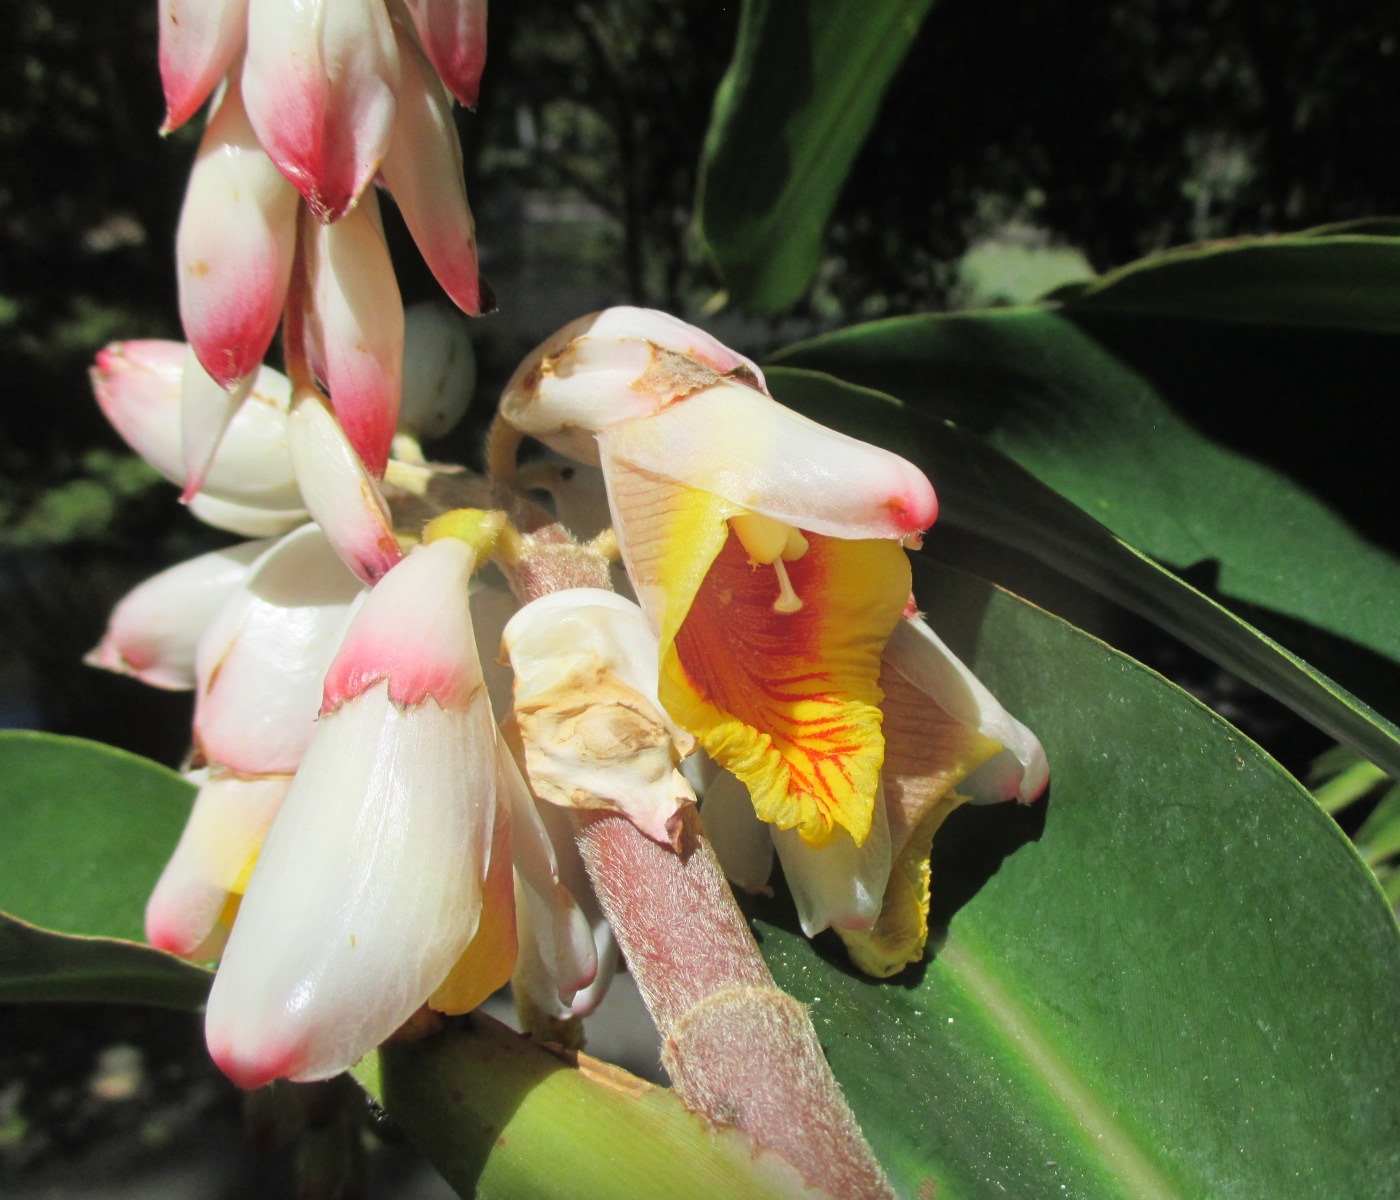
(354, 328)
(453, 34)
(320, 78)
(341, 495)
(261, 663)
(139, 387)
(155, 628)
(373, 881)
(199, 41)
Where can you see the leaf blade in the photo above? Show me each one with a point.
(1166, 989)
(87, 830)
(790, 114)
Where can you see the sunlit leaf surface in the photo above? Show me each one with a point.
(84, 832)
(1174, 978)
(1149, 398)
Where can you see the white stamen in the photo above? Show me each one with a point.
(788, 601)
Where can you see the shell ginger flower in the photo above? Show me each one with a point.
(764, 548)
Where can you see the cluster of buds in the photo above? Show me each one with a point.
(378, 830)
(314, 102)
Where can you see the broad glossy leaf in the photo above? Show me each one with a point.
(1285, 350)
(1173, 978)
(1343, 280)
(982, 490)
(791, 113)
(84, 832)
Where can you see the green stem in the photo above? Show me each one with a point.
(502, 1118)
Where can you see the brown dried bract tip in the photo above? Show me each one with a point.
(671, 376)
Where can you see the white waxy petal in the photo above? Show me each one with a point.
(423, 171)
(355, 328)
(611, 367)
(367, 891)
(453, 34)
(1020, 770)
(138, 386)
(562, 827)
(742, 843)
(261, 663)
(244, 519)
(155, 628)
(748, 449)
(199, 40)
(585, 701)
(439, 370)
(339, 492)
(320, 79)
(234, 246)
(225, 830)
(553, 929)
(207, 410)
(838, 884)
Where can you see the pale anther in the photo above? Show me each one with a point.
(788, 601)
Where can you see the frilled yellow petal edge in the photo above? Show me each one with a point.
(928, 753)
(900, 931)
(788, 701)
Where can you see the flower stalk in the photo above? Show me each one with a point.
(739, 1050)
(737, 1047)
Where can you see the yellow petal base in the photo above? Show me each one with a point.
(489, 959)
(900, 931)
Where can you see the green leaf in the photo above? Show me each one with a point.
(983, 491)
(44, 967)
(1093, 398)
(1341, 281)
(86, 832)
(1172, 978)
(791, 113)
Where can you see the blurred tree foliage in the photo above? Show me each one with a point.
(1097, 129)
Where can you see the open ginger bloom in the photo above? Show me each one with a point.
(764, 548)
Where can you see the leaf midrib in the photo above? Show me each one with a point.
(1117, 1149)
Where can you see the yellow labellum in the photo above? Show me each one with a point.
(770, 647)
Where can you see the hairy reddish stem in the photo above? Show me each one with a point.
(738, 1048)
